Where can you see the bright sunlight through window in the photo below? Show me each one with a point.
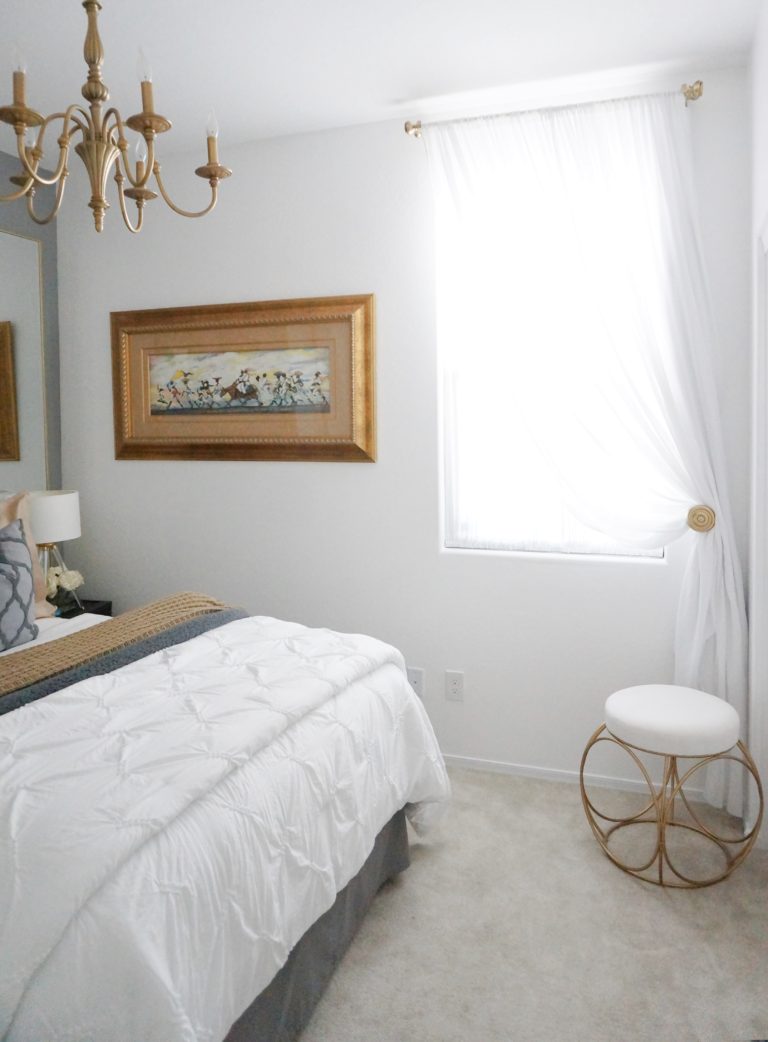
(538, 324)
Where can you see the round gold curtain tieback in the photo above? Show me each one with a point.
(701, 518)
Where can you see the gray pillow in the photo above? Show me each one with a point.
(17, 588)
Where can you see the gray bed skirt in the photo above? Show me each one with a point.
(283, 1009)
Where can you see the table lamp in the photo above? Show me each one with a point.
(55, 518)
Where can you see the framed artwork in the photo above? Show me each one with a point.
(9, 418)
(270, 380)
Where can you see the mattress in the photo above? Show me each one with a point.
(170, 830)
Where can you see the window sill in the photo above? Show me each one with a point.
(552, 555)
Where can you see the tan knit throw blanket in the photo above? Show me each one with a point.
(46, 660)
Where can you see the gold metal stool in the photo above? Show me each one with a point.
(652, 720)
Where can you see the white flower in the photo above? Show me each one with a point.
(51, 582)
(70, 580)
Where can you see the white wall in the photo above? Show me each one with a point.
(759, 83)
(355, 546)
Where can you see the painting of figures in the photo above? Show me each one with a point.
(292, 380)
(260, 380)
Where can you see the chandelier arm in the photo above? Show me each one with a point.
(30, 169)
(17, 195)
(57, 203)
(137, 182)
(78, 123)
(187, 213)
(124, 210)
(116, 134)
(118, 127)
(122, 171)
(74, 114)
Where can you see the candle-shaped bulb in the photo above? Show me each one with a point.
(143, 68)
(212, 124)
(19, 60)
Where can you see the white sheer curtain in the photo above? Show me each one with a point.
(573, 321)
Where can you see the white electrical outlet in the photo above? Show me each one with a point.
(416, 680)
(454, 685)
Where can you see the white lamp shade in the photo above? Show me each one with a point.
(55, 516)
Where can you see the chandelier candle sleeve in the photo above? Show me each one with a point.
(145, 75)
(147, 97)
(212, 135)
(19, 88)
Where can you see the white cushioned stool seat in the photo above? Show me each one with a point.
(672, 720)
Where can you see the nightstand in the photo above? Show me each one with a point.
(91, 607)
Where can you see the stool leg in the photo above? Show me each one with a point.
(649, 814)
(736, 849)
(665, 810)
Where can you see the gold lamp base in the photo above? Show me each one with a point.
(667, 809)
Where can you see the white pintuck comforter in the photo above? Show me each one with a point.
(170, 830)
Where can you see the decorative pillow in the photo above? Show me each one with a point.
(17, 590)
(16, 507)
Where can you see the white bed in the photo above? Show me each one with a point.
(55, 627)
(170, 830)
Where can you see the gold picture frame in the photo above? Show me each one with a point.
(9, 416)
(266, 380)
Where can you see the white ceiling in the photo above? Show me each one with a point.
(290, 66)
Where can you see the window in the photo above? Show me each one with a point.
(551, 287)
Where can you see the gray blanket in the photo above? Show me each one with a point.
(121, 657)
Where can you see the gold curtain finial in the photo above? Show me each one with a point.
(701, 518)
(413, 129)
(692, 91)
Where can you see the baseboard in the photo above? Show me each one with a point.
(552, 774)
(572, 778)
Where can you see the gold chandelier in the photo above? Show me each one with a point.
(102, 145)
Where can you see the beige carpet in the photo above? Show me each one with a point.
(512, 926)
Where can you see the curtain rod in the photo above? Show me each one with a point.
(690, 91)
